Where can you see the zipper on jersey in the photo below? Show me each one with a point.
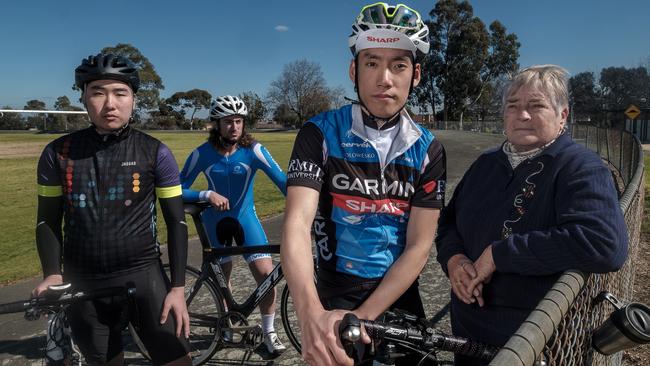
(228, 177)
(101, 172)
(382, 167)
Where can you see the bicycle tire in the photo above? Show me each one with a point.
(204, 310)
(290, 319)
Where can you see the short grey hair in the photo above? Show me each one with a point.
(551, 80)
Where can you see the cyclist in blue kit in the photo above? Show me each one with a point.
(372, 182)
(229, 160)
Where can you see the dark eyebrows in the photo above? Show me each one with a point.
(369, 56)
(104, 89)
(401, 58)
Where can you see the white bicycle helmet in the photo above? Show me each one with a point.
(227, 105)
(380, 25)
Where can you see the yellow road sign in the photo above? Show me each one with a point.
(632, 112)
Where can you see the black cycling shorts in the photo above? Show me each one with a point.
(97, 325)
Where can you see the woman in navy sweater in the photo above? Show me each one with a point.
(525, 212)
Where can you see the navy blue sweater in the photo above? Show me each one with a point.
(572, 220)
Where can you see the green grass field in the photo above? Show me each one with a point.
(19, 153)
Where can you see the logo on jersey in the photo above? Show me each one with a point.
(429, 187)
(300, 169)
(353, 219)
(372, 186)
(321, 237)
(440, 191)
(360, 205)
(237, 169)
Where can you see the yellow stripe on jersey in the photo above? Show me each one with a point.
(50, 191)
(169, 192)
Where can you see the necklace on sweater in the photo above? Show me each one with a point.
(521, 200)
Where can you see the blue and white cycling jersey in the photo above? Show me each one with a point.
(232, 177)
(368, 179)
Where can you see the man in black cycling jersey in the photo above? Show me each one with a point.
(372, 183)
(102, 182)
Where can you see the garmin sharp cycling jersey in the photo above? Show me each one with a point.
(365, 194)
(108, 186)
(232, 177)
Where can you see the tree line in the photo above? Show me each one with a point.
(602, 100)
(462, 79)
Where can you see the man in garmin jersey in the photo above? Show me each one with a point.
(229, 160)
(372, 182)
(103, 182)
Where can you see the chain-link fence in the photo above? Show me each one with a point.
(559, 330)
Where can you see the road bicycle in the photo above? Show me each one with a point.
(217, 320)
(399, 334)
(60, 349)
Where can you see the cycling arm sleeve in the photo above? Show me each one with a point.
(48, 234)
(172, 209)
(191, 170)
(50, 212)
(271, 168)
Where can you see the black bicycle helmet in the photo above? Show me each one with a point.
(107, 66)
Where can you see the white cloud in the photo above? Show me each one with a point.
(281, 28)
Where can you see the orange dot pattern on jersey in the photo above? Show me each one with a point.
(136, 182)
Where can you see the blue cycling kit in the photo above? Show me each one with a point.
(232, 177)
(367, 186)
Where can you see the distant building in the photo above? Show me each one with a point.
(427, 120)
(267, 124)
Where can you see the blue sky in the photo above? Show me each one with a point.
(228, 47)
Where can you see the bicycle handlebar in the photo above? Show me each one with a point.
(419, 337)
(67, 297)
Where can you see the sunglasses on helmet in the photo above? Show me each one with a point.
(381, 13)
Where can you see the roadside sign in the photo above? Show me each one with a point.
(632, 112)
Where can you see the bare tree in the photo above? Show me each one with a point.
(302, 88)
(256, 108)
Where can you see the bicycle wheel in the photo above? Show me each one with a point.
(289, 319)
(205, 308)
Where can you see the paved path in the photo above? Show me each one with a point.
(21, 342)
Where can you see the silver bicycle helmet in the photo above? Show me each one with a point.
(227, 105)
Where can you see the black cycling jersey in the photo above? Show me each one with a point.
(105, 188)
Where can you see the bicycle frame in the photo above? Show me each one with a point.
(211, 268)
